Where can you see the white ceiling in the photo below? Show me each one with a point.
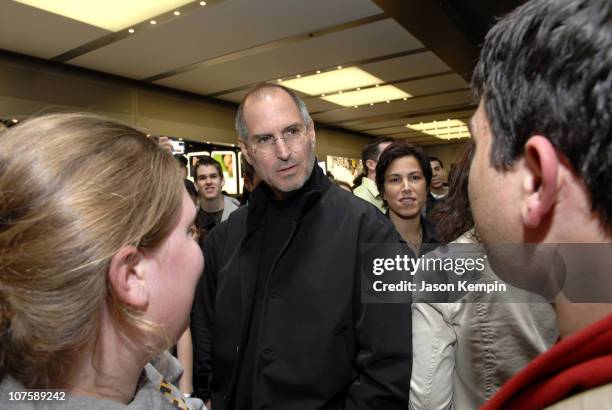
(226, 47)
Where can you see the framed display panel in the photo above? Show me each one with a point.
(343, 168)
(229, 165)
(240, 173)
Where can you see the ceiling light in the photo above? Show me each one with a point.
(110, 15)
(387, 101)
(339, 67)
(356, 106)
(153, 22)
(15, 120)
(404, 98)
(318, 71)
(378, 85)
(177, 13)
(370, 95)
(298, 76)
(447, 129)
(280, 80)
(131, 31)
(340, 92)
(358, 88)
(332, 81)
(322, 95)
(202, 3)
(371, 103)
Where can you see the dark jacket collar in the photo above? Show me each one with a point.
(262, 196)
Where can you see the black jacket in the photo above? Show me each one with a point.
(321, 347)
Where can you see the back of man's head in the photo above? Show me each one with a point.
(371, 151)
(546, 69)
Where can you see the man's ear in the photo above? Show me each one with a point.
(371, 165)
(244, 150)
(540, 182)
(311, 132)
(126, 275)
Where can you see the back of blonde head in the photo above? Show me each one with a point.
(74, 189)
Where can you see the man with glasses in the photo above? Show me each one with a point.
(278, 320)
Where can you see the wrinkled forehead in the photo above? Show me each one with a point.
(270, 106)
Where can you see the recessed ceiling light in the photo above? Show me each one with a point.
(177, 13)
(371, 103)
(15, 120)
(110, 15)
(318, 71)
(356, 106)
(153, 22)
(280, 80)
(367, 96)
(131, 31)
(148, 135)
(332, 81)
(387, 101)
(378, 85)
(202, 3)
(339, 67)
(322, 95)
(180, 139)
(448, 129)
(298, 76)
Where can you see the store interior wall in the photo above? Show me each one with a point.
(29, 86)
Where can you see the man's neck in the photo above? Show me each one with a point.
(439, 191)
(372, 176)
(212, 205)
(573, 317)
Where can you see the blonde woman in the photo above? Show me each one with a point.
(98, 264)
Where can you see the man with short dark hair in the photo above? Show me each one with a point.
(437, 188)
(214, 206)
(367, 190)
(278, 319)
(541, 182)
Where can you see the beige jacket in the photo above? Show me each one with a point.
(464, 352)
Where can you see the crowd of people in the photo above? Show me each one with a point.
(110, 259)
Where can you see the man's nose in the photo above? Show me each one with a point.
(282, 150)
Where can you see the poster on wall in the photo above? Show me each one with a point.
(343, 168)
(193, 157)
(229, 165)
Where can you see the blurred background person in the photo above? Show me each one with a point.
(250, 178)
(365, 184)
(214, 207)
(98, 264)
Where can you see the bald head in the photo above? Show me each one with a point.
(259, 92)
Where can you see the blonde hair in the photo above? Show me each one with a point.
(74, 189)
